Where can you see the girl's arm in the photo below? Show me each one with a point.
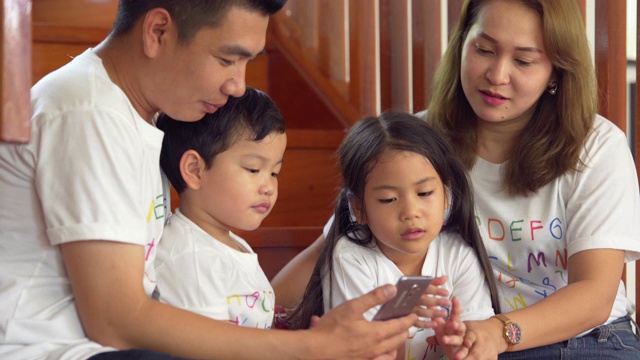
(106, 278)
(586, 302)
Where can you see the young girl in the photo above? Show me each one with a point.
(405, 208)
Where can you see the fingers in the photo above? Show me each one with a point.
(456, 309)
(315, 320)
(435, 289)
(377, 296)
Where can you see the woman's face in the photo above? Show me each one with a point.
(504, 68)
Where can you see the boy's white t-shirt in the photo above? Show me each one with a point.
(89, 172)
(358, 270)
(530, 239)
(198, 273)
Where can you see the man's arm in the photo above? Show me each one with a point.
(106, 278)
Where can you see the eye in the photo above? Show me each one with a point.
(482, 51)
(275, 175)
(226, 62)
(253, 171)
(387, 201)
(523, 62)
(425, 193)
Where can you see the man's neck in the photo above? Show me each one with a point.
(123, 65)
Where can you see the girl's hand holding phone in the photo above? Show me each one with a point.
(429, 308)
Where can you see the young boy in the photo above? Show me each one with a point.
(225, 168)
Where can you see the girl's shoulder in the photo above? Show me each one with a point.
(449, 242)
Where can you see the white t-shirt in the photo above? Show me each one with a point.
(530, 239)
(358, 270)
(198, 273)
(90, 172)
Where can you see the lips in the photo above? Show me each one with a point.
(262, 207)
(412, 234)
(492, 98)
(211, 108)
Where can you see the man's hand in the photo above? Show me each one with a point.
(346, 330)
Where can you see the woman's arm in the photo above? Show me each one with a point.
(586, 302)
(290, 282)
(106, 278)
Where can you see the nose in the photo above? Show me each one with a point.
(410, 210)
(268, 187)
(235, 85)
(498, 72)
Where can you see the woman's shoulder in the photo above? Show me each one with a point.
(605, 136)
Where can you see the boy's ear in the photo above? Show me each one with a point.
(156, 28)
(356, 210)
(192, 167)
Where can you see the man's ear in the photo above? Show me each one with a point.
(356, 210)
(157, 26)
(192, 167)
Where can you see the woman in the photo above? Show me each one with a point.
(555, 186)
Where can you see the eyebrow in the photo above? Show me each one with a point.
(389, 187)
(519, 48)
(260, 157)
(239, 50)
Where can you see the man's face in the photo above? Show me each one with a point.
(198, 78)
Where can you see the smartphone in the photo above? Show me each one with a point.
(410, 289)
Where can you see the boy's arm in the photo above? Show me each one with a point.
(106, 278)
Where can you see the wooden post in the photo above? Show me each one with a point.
(15, 57)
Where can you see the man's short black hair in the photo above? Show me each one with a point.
(189, 15)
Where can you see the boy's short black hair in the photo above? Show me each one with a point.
(253, 113)
(189, 15)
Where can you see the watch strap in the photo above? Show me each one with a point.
(506, 322)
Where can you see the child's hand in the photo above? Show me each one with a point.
(450, 333)
(429, 306)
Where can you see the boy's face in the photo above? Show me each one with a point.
(199, 77)
(241, 187)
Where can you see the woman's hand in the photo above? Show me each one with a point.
(482, 340)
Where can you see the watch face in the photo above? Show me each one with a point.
(514, 333)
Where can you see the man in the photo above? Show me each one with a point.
(82, 205)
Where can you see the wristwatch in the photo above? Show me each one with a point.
(511, 332)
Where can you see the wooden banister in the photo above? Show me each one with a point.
(15, 105)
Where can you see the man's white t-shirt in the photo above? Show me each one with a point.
(198, 273)
(90, 172)
(358, 270)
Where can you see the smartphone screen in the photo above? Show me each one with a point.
(410, 289)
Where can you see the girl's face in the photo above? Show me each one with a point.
(404, 204)
(505, 69)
